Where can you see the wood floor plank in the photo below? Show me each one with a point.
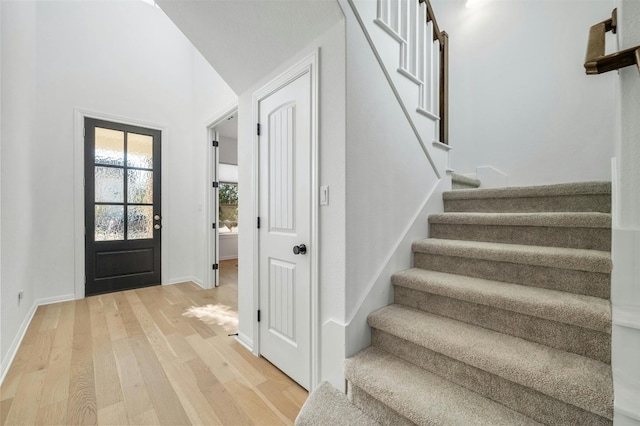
(24, 409)
(297, 394)
(12, 379)
(56, 385)
(134, 391)
(132, 358)
(34, 326)
(193, 400)
(147, 418)
(161, 321)
(52, 414)
(181, 347)
(281, 401)
(247, 370)
(164, 398)
(82, 392)
(115, 414)
(5, 406)
(255, 407)
(268, 370)
(107, 384)
(115, 325)
(221, 369)
(129, 320)
(51, 315)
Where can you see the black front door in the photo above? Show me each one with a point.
(122, 206)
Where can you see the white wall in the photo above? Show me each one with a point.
(519, 97)
(123, 59)
(331, 146)
(228, 150)
(389, 181)
(19, 140)
(626, 231)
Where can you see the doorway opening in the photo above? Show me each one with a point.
(224, 196)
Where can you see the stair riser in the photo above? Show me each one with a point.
(376, 409)
(573, 281)
(540, 407)
(581, 238)
(570, 203)
(570, 338)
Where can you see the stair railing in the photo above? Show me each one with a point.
(443, 38)
(424, 54)
(596, 62)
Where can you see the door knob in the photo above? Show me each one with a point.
(156, 217)
(301, 249)
(156, 226)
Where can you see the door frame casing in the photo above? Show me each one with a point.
(212, 176)
(79, 197)
(307, 65)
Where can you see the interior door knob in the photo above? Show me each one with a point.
(301, 249)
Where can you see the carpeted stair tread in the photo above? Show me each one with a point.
(553, 257)
(422, 397)
(571, 197)
(328, 406)
(573, 379)
(559, 190)
(568, 308)
(463, 182)
(547, 219)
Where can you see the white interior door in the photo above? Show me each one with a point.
(285, 223)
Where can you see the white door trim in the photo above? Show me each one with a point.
(307, 65)
(210, 275)
(78, 191)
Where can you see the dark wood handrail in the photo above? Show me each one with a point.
(596, 62)
(443, 38)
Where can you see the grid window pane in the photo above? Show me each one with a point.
(109, 147)
(140, 187)
(139, 151)
(109, 184)
(109, 223)
(139, 222)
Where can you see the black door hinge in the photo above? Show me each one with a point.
(215, 143)
(215, 184)
(258, 222)
(258, 315)
(213, 225)
(214, 266)
(258, 129)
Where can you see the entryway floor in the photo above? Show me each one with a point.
(157, 355)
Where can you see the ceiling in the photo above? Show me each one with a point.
(244, 40)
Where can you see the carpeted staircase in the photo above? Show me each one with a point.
(505, 319)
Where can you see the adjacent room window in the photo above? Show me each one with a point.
(228, 202)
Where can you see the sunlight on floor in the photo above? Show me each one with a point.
(219, 314)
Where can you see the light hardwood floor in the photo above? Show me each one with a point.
(132, 357)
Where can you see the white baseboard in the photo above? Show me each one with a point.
(13, 349)
(245, 341)
(184, 280)
(17, 341)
